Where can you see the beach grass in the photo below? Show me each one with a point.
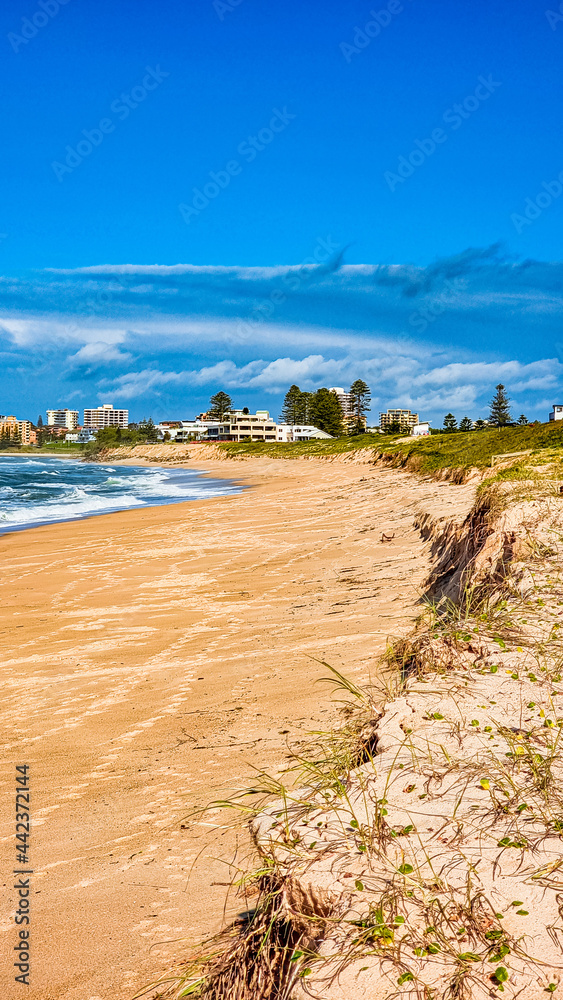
(403, 915)
(461, 450)
(59, 448)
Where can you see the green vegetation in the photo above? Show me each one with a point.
(10, 441)
(360, 398)
(219, 406)
(325, 412)
(116, 437)
(432, 454)
(429, 456)
(321, 408)
(477, 448)
(500, 408)
(54, 448)
(295, 406)
(279, 449)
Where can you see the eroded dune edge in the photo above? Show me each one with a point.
(422, 855)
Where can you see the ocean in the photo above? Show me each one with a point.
(36, 490)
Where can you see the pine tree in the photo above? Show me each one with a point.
(479, 425)
(294, 409)
(466, 424)
(326, 412)
(396, 427)
(147, 430)
(360, 399)
(450, 423)
(219, 405)
(522, 419)
(306, 407)
(500, 408)
(40, 421)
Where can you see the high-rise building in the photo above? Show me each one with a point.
(11, 427)
(105, 416)
(63, 418)
(345, 400)
(347, 407)
(403, 417)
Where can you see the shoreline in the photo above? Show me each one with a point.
(152, 658)
(127, 463)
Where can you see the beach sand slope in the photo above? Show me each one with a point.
(150, 660)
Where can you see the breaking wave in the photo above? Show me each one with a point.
(34, 492)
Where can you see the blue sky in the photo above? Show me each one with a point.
(273, 193)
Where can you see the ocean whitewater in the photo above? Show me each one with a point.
(37, 490)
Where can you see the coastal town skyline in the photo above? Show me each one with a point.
(327, 412)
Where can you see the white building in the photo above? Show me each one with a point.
(300, 432)
(240, 426)
(184, 430)
(421, 430)
(556, 413)
(345, 400)
(81, 437)
(347, 407)
(237, 426)
(105, 416)
(63, 418)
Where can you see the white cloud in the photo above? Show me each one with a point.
(485, 373)
(137, 384)
(193, 329)
(36, 331)
(399, 382)
(99, 352)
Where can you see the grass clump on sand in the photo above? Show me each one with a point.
(417, 852)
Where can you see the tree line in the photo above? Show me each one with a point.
(499, 415)
(320, 409)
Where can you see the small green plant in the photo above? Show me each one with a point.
(500, 976)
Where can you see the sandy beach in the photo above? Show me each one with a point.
(150, 660)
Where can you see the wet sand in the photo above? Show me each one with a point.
(150, 660)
